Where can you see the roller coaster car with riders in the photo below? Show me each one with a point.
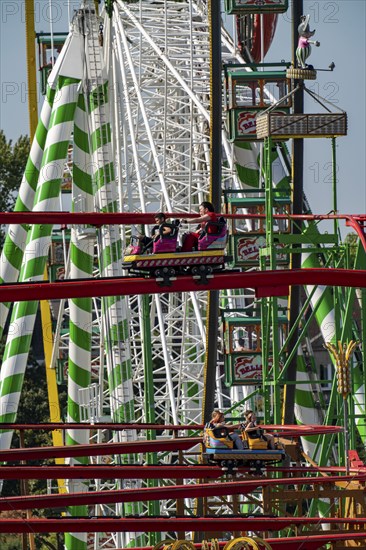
(167, 261)
(219, 449)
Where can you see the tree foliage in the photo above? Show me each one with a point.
(351, 241)
(13, 159)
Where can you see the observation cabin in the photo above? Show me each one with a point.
(243, 7)
(250, 89)
(49, 48)
(247, 236)
(242, 339)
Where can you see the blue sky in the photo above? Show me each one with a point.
(340, 28)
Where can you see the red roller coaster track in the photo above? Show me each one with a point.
(266, 283)
(99, 449)
(310, 542)
(356, 221)
(152, 472)
(289, 430)
(158, 524)
(144, 494)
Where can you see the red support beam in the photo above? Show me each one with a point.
(159, 524)
(127, 495)
(310, 542)
(144, 494)
(108, 472)
(290, 430)
(47, 426)
(132, 218)
(97, 219)
(100, 449)
(152, 472)
(266, 283)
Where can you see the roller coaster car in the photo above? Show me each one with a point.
(220, 450)
(213, 236)
(166, 261)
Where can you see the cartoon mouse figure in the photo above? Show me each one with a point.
(303, 47)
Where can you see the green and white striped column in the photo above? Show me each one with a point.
(325, 317)
(115, 308)
(36, 251)
(115, 312)
(305, 410)
(246, 164)
(280, 179)
(81, 266)
(12, 253)
(110, 255)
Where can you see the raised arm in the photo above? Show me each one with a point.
(204, 218)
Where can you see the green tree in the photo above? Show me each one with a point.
(13, 159)
(351, 241)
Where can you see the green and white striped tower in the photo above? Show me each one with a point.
(326, 319)
(110, 253)
(36, 251)
(12, 253)
(305, 410)
(115, 308)
(247, 167)
(81, 266)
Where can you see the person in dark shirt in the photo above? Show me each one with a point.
(207, 214)
(160, 221)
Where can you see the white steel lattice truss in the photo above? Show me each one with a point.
(161, 86)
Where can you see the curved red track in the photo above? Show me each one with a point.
(144, 494)
(290, 430)
(310, 542)
(158, 524)
(265, 283)
(154, 472)
(100, 449)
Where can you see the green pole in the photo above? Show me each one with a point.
(334, 180)
(151, 458)
(273, 301)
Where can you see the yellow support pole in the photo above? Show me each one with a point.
(31, 67)
(53, 399)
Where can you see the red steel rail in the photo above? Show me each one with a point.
(289, 430)
(266, 283)
(313, 542)
(310, 542)
(138, 471)
(162, 493)
(158, 524)
(99, 449)
(100, 426)
(131, 218)
(107, 472)
(97, 219)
